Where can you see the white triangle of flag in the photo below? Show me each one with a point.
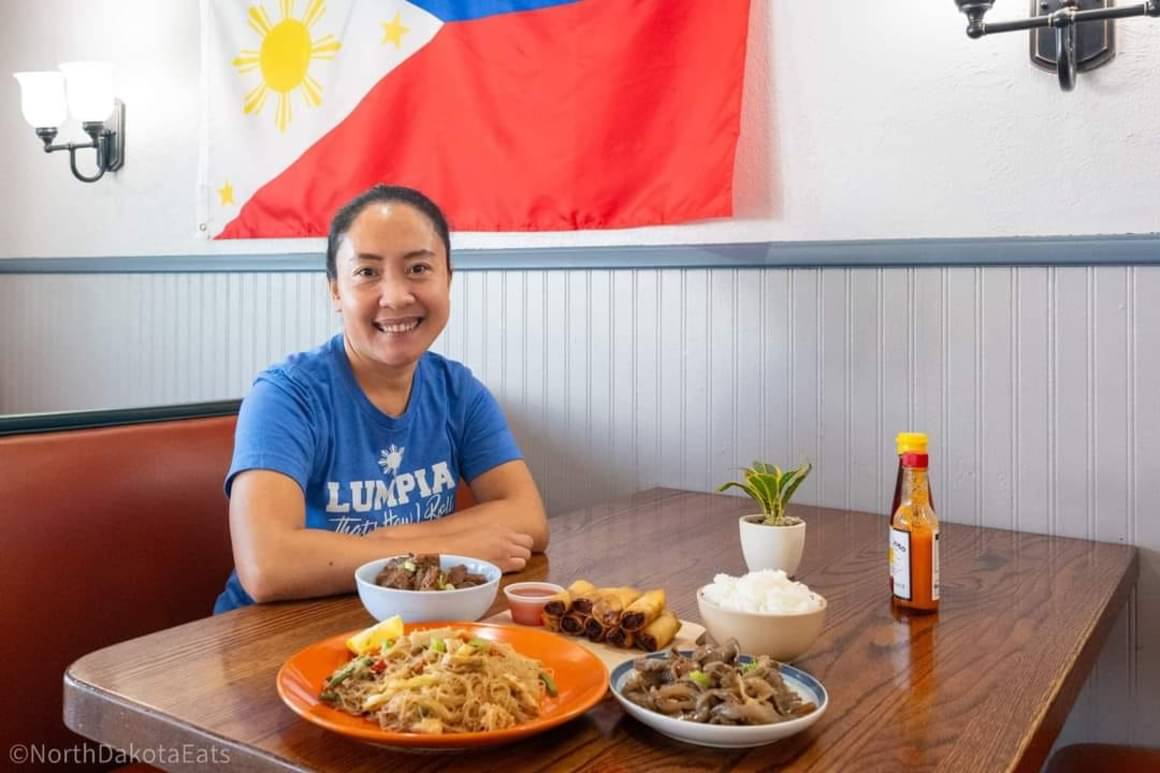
(277, 75)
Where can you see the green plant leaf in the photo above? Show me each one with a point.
(772, 480)
(763, 467)
(764, 484)
(752, 492)
(795, 478)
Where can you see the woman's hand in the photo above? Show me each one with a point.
(491, 541)
(505, 528)
(506, 548)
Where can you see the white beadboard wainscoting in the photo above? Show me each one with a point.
(1039, 387)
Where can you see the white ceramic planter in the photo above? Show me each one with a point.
(772, 547)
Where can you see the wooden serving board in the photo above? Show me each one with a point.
(687, 638)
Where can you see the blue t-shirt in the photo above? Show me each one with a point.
(359, 468)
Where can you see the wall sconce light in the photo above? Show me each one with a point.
(84, 89)
(1075, 49)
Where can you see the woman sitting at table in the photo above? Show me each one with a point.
(353, 451)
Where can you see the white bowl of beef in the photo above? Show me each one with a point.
(427, 587)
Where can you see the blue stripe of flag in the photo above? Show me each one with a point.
(465, 10)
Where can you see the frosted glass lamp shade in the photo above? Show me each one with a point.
(42, 99)
(90, 89)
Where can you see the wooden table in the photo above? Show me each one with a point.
(984, 686)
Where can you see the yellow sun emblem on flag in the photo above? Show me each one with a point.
(284, 58)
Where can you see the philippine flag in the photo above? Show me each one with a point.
(513, 115)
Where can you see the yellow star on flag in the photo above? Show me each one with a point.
(393, 31)
(226, 192)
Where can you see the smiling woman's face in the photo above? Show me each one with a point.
(392, 285)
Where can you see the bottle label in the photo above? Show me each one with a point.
(900, 563)
(934, 566)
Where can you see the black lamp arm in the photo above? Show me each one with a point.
(1064, 17)
(100, 142)
(107, 138)
(72, 161)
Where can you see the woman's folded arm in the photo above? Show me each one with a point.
(278, 558)
(507, 498)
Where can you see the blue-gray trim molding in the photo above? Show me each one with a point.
(1131, 249)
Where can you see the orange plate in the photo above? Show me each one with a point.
(581, 679)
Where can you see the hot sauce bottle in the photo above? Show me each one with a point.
(914, 537)
(905, 442)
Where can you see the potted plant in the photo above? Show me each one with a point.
(771, 539)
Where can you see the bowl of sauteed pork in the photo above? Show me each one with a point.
(716, 696)
(427, 586)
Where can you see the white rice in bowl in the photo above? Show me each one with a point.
(768, 591)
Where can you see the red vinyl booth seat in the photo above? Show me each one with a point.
(106, 534)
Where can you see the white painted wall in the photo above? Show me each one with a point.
(861, 120)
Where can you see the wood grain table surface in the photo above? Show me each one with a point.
(984, 685)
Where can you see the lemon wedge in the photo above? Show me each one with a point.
(373, 638)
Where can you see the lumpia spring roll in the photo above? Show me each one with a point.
(551, 622)
(594, 630)
(582, 602)
(643, 611)
(611, 603)
(559, 604)
(659, 633)
(618, 637)
(574, 623)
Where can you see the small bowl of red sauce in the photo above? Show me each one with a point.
(527, 600)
